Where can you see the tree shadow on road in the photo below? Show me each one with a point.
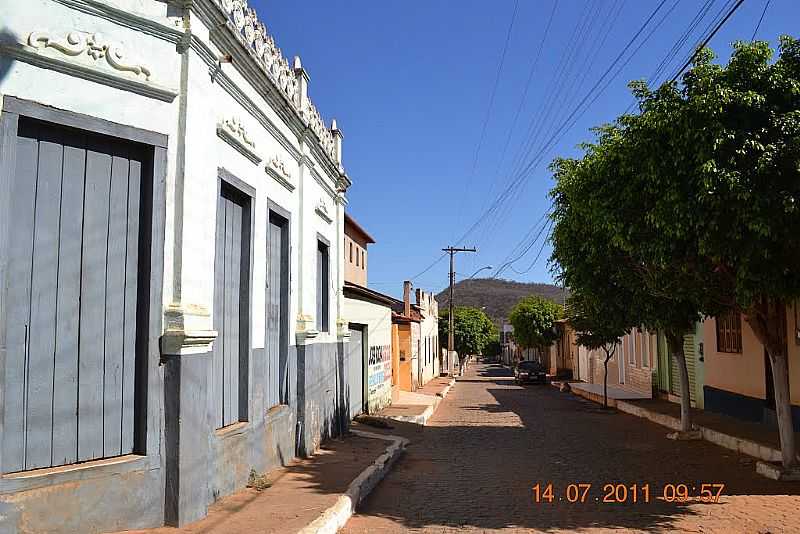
(475, 468)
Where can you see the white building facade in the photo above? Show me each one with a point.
(171, 216)
(429, 364)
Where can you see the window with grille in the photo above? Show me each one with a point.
(729, 333)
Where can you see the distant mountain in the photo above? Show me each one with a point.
(499, 296)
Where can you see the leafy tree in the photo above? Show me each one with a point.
(699, 191)
(533, 319)
(492, 349)
(473, 330)
(599, 324)
(622, 287)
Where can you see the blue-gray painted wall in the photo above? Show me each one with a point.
(321, 394)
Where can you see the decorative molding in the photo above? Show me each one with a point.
(276, 168)
(188, 330)
(39, 58)
(305, 328)
(343, 329)
(232, 132)
(94, 45)
(317, 125)
(140, 23)
(252, 34)
(251, 107)
(322, 211)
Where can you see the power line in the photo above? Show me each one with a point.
(489, 108)
(760, 20)
(507, 263)
(429, 267)
(707, 39)
(524, 97)
(520, 177)
(701, 14)
(538, 254)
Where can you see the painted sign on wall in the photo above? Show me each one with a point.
(379, 374)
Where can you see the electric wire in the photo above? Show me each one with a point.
(465, 191)
(760, 20)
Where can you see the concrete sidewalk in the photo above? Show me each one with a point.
(309, 496)
(418, 406)
(753, 439)
(595, 392)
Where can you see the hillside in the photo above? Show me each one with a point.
(499, 296)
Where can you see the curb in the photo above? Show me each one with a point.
(337, 515)
(733, 443)
(447, 389)
(422, 419)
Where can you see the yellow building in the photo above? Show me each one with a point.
(737, 372)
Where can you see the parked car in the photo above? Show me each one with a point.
(530, 371)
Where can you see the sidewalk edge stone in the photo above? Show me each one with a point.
(741, 445)
(335, 517)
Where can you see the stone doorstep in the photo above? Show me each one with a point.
(335, 517)
(767, 455)
(777, 472)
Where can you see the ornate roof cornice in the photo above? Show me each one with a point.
(242, 21)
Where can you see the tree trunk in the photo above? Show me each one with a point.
(783, 409)
(605, 377)
(765, 322)
(675, 341)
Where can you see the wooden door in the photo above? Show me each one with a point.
(73, 294)
(355, 370)
(231, 307)
(277, 342)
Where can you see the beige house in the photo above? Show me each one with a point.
(631, 367)
(356, 240)
(737, 376)
(369, 321)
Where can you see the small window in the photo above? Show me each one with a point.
(363, 263)
(351, 252)
(357, 263)
(729, 333)
(323, 287)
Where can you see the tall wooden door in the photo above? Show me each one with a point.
(690, 354)
(73, 294)
(278, 310)
(231, 307)
(355, 373)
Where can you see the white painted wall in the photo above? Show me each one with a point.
(378, 320)
(429, 330)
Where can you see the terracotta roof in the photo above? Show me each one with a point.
(352, 222)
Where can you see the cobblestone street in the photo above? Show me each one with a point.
(473, 468)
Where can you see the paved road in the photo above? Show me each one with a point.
(474, 466)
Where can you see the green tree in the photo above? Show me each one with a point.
(622, 286)
(472, 332)
(599, 324)
(699, 192)
(533, 319)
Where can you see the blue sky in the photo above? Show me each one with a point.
(410, 83)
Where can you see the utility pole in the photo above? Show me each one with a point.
(450, 337)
